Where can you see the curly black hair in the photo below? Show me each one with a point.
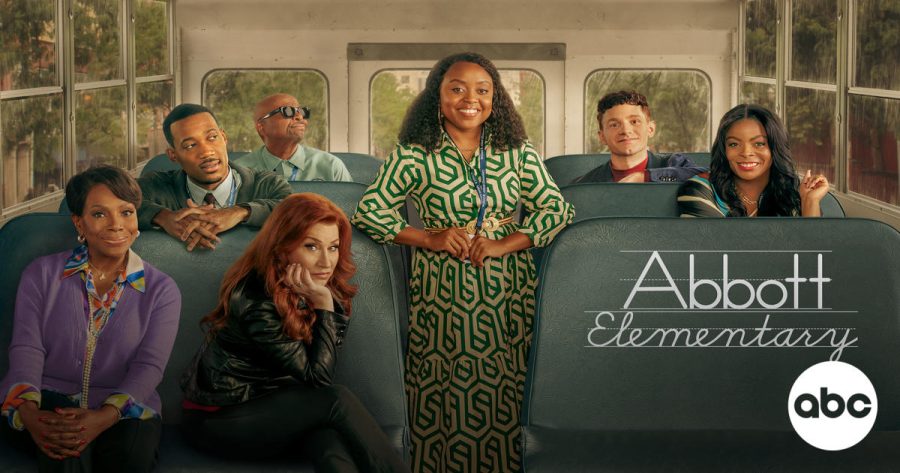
(622, 97)
(780, 197)
(421, 125)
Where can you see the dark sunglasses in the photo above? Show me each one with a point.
(288, 112)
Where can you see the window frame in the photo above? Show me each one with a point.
(319, 72)
(844, 88)
(69, 90)
(593, 119)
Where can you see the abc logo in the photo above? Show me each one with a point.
(832, 405)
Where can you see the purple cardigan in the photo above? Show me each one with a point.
(50, 334)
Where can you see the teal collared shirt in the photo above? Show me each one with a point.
(306, 164)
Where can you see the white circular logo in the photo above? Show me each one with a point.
(832, 405)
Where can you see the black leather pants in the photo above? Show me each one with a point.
(328, 424)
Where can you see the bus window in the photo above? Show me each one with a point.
(874, 140)
(810, 85)
(877, 61)
(154, 88)
(810, 124)
(679, 102)
(393, 90)
(759, 93)
(29, 45)
(759, 52)
(233, 93)
(31, 122)
(32, 147)
(101, 127)
(810, 96)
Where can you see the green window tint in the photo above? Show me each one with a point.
(759, 53)
(28, 37)
(151, 38)
(32, 147)
(233, 93)
(758, 93)
(814, 41)
(873, 145)
(810, 124)
(98, 40)
(154, 103)
(392, 92)
(679, 103)
(877, 44)
(101, 126)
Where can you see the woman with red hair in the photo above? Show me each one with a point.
(261, 383)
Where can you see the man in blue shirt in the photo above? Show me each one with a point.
(281, 123)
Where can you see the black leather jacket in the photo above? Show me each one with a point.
(251, 355)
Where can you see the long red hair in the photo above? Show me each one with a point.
(266, 257)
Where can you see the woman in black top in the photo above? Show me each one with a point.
(261, 383)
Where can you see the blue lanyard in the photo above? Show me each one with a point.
(481, 187)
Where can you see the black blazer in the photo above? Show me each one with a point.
(662, 168)
(251, 356)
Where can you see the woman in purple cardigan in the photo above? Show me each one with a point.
(92, 333)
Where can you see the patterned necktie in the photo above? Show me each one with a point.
(209, 199)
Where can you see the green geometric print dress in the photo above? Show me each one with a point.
(470, 328)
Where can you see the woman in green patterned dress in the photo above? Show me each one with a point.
(464, 160)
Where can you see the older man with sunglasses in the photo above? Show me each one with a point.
(281, 123)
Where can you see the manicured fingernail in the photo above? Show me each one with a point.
(81, 442)
(82, 428)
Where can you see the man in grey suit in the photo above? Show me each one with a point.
(207, 195)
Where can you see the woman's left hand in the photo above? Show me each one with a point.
(93, 422)
(813, 187)
(812, 190)
(483, 247)
(301, 282)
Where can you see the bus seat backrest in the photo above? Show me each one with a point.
(344, 194)
(831, 207)
(610, 199)
(160, 162)
(362, 167)
(566, 168)
(592, 277)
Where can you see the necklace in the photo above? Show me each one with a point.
(100, 274)
(748, 202)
